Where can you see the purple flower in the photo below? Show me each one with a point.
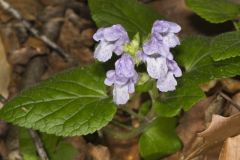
(156, 54)
(112, 39)
(122, 78)
(165, 31)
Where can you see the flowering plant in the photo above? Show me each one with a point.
(155, 53)
(155, 77)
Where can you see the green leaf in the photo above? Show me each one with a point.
(194, 55)
(225, 46)
(160, 139)
(59, 148)
(27, 147)
(215, 11)
(68, 104)
(134, 16)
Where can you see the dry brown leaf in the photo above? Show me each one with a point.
(28, 8)
(71, 41)
(5, 71)
(219, 129)
(36, 44)
(99, 152)
(231, 85)
(231, 110)
(231, 149)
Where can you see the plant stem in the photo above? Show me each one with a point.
(129, 134)
(121, 125)
(134, 114)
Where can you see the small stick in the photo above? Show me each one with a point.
(5, 5)
(39, 145)
(230, 100)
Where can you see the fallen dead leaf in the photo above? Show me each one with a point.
(99, 152)
(231, 85)
(231, 149)
(219, 129)
(5, 71)
(28, 8)
(36, 44)
(71, 41)
(231, 110)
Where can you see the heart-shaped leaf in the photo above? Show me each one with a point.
(68, 104)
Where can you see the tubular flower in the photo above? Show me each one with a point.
(156, 54)
(112, 39)
(123, 79)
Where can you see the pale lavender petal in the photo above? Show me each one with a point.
(110, 78)
(118, 50)
(120, 94)
(164, 51)
(142, 56)
(112, 33)
(131, 88)
(166, 84)
(160, 26)
(157, 67)
(125, 66)
(174, 68)
(171, 40)
(165, 26)
(174, 28)
(151, 47)
(121, 80)
(103, 52)
(98, 35)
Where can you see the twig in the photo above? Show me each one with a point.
(128, 134)
(5, 5)
(230, 100)
(39, 145)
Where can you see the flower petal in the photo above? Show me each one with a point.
(157, 67)
(167, 84)
(112, 33)
(174, 68)
(103, 52)
(125, 66)
(120, 94)
(98, 35)
(151, 47)
(110, 78)
(171, 40)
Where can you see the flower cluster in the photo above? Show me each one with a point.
(155, 53)
(124, 77)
